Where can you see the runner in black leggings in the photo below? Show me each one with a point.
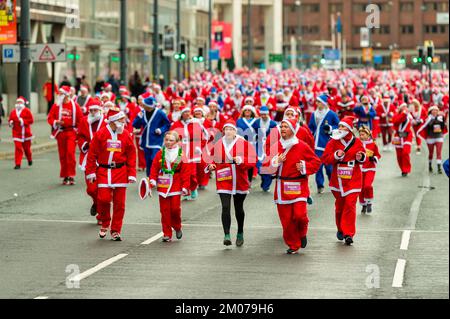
(239, 212)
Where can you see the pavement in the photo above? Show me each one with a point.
(48, 237)
(41, 142)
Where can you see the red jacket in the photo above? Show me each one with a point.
(107, 148)
(70, 113)
(21, 124)
(386, 114)
(85, 106)
(193, 136)
(373, 156)
(403, 130)
(85, 135)
(346, 177)
(291, 185)
(170, 185)
(232, 178)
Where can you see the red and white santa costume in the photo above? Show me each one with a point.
(170, 187)
(291, 189)
(433, 132)
(20, 121)
(138, 136)
(419, 116)
(111, 161)
(403, 138)
(65, 134)
(309, 105)
(87, 101)
(385, 111)
(346, 179)
(369, 169)
(88, 127)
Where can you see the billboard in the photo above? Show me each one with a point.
(169, 41)
(8, 22)
(222, 39)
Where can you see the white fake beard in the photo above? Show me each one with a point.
(339, 134)
(91, 119)
(19, 108)
(119, 128)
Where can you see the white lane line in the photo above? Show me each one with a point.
(415, 207)
(405, 240)
(41, 297)
(397, 282)
(100, 266)
(153, 239)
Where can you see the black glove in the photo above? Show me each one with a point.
(327, 129)
(372, 159)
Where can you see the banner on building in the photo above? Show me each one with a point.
(222, 39)
(169, 41)
(365, 37)
(8, 22)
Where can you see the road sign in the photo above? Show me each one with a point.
(365, 37)
(378, 59)
(332, 64)
(11, 54)
(169, 41)
(275, 58)
(332, 55)
(214, 55)
(51, 52)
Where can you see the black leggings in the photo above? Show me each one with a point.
(226, 211)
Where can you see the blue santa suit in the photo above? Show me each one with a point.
(322, 135)
(155, 124)
(261, 137)
(365, 118)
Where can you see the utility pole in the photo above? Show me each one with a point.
(179, 40)
(123, 41)
(249, 35)
(209, 36)
(24, 65)
(155, 52)
(300, 38)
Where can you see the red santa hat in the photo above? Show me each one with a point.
(213, 103)
(230, 123)
(105, 94)
(348, 122)
(249, 108)
(22, 101)
(107, 86)
(96, 104)
(200, 99)
(292, 109)
(292, 124)
(432, 108)
(125, 94)
(64, 90)
(123, 89)
(185, 109)
(84, 88)
(115, 114)
(200, 109)
(249, 99)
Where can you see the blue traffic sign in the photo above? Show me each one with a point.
(214, 55)
(332, 55)
(8, 53)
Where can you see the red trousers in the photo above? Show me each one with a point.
(438, 146)
(202, 177)
(106, 196)
(194, 181)
(92, 191)
(170, 208)
(66, 150)
(418, 139)
(20, 148)
(404, 158)
(366, 196)
(386, 134)
(345, 208)
(141, 155)
(294, 219)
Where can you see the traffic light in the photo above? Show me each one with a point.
(430, 54)
(322, 60)
(199, 58)
(402, 60)
(182, 54)
(421, 56)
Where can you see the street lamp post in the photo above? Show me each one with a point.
(123, 41)
(24, 66)
(298, 4)
(155, 40)
(178, 40)
(249, 35)
(209, 35)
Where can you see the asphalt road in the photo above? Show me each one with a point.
(48, 234)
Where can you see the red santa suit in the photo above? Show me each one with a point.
(309, 105)
(137, 139)
(20, 120)
(65, 134)
(87, 101)
(112, 162)
(88, 127)
(386, 113)
(402, 140)
(346, 179)
(345, 108)
(170, 186)
(418, 118)
(368, 170)
(291, 188)
(433, 132)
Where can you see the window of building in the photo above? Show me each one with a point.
(406, 6)
(335, 7)
(432, 29)
(314, 29)
(384, 6)
(407, 29)
(311, 7)
(384, 29)
(359, 7)
(435, 6)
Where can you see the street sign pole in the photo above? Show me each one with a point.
(155, 40)
(53, 79)
(178, 40)
(209, 34)
(24, 66)
(123, 41)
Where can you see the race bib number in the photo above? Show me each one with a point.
(164, 181)
(292, 188)
(437, 128)
(396, 141)
(345, 172)
(113, 146)
(224, 175)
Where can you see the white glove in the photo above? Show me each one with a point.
(21, 122)
(131, 179)
(158, 131)
(185, 192)
(91, 178)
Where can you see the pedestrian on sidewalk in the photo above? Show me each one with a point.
(346, 153)
(65, 117)
(49, 94)
(89, 126)
(170, 176)
(231, 158)
(368, 169)
(293, 162)
(433, 132)
(20, 120)
(403, 138)
(111, 162)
